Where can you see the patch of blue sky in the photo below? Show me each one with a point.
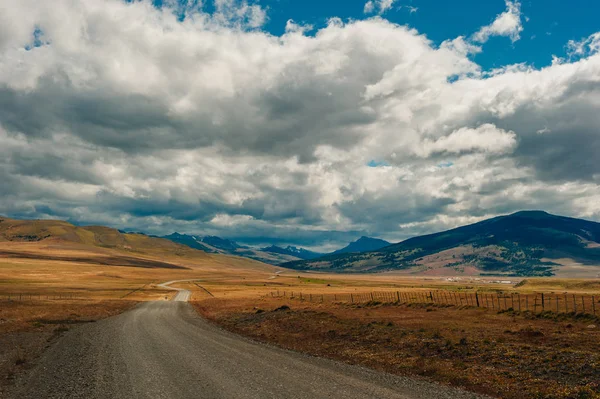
(376, 164)
(445, 164)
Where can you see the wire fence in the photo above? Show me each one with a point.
(37, 297)
(537, 302)
(55, 296)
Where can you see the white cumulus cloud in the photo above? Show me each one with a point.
(378, 6)
(129, 115)
(589, 45)
(509, 24)
(485, 138)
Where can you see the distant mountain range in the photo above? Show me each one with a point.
(528, 243)
(221, 243)
(213, 244)
(363, 244)
(190, 241)
(299, 253)
(272, 254)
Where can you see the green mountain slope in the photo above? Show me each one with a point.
(363, 244)
(521, 244)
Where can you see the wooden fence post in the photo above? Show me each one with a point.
(543, 306)
(574, 304)
(594, 305)
(477, 299)
(583, 303)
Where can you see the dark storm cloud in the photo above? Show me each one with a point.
(384, 214)
(568, 150)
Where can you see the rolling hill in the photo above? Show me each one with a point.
(58, 244)
(527, 243)
(61, 231)
(112, 246)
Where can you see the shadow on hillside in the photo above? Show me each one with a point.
(97, 260)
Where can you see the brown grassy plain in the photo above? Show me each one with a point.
(500, 354)
(480, 350)
(49, 286)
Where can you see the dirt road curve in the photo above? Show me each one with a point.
(164, 350)
(182, 294)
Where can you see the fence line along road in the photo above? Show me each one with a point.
(37, 297)
(537, 303)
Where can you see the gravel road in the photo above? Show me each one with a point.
(182, 295)
(165, 350)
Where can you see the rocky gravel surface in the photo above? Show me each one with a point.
(165, 350)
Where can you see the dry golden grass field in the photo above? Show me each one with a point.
(54, 285)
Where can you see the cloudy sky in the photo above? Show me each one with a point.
(295, 122)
